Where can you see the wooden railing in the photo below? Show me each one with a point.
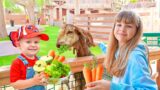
(77, 65)
(4, 75)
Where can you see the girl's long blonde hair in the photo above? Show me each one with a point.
(116, 66)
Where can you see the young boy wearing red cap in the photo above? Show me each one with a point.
(22, 75)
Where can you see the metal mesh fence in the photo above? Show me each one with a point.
(73, 82)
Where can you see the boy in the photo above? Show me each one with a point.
(22, 75)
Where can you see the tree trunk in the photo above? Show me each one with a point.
(29, 8)
(3, 31)
(30, 11)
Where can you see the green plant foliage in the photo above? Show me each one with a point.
(39, 4)
(10, 5)
(4, 39)
(133, 1)
(62, 49)
(17, 9)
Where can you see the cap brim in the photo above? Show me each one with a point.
(42, 36)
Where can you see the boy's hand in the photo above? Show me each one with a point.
(39, 79)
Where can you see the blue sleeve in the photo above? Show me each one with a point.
(103, 47)
(137, 76)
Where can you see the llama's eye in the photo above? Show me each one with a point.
(69, 32)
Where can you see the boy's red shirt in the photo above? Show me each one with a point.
(18, 69)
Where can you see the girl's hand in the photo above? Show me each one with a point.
(98, 85)
(39, 79)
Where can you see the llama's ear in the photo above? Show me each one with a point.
(79, 31)
(86, 35)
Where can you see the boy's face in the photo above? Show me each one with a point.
(29, 47)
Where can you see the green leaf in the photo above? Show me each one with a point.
(62, 49)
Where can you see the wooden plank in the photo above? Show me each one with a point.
(110, 14)
(82, 25)
(155, 53)
(82, 15)
(100, 27)
(101, 39)
(81, 21)
(91, 26)
(94, 21)
(4, 75)
(4, 81)
(98, 32)
(4, 71)
(102, 21)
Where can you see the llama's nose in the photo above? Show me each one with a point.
(58, 45)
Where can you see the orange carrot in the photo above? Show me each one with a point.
(46, 75)
(94, 65)
(99, 72)
(87, 73)
(61, 59)
(56, 57)
(51, 53)
(93, 74)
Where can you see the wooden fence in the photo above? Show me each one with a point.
(100, 25)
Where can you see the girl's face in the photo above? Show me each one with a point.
(29, 47)
(124, 32)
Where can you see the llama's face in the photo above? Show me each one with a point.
(67, 36)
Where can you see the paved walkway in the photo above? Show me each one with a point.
(6, 48)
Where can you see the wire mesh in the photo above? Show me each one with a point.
(73, 82)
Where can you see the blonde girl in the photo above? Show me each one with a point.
(126, 59)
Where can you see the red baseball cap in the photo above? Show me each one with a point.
(28, 31)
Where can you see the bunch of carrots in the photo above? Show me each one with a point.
(92, 72)
(61, 50)
(56, 57)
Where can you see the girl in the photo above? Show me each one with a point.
(126, 59)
